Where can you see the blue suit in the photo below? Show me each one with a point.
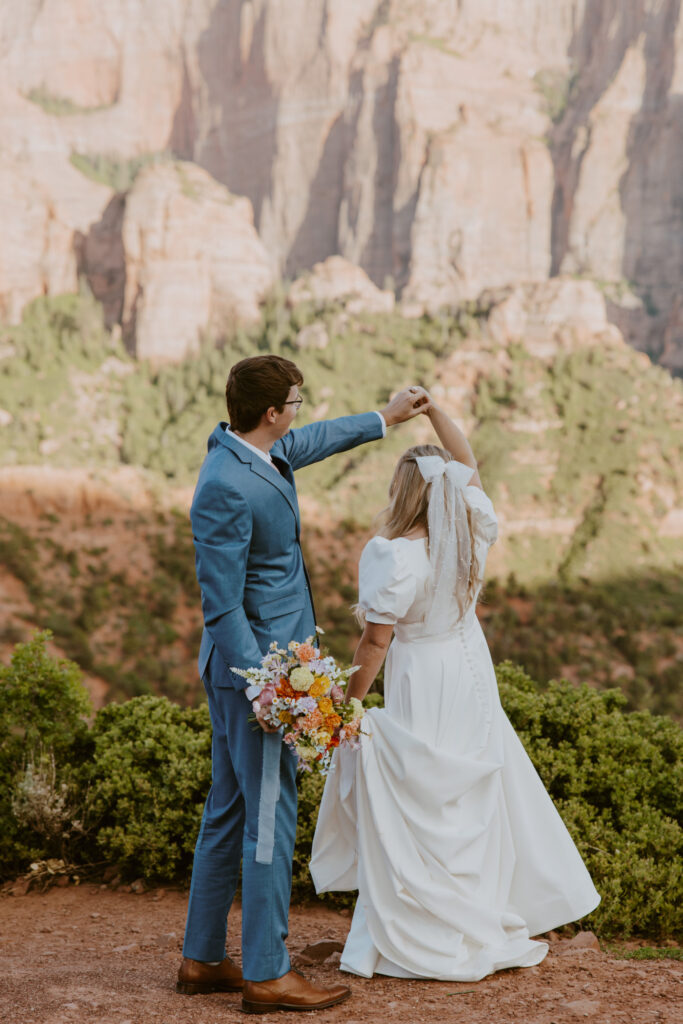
(255, 589)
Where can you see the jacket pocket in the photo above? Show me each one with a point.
(273, 609)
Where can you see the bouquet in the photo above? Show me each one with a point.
(301, 691)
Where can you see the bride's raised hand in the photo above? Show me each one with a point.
(406, 404)
(424, 403)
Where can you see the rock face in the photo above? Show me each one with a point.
(560, 313)
(443, 147)
(337, 279)
(193, 260)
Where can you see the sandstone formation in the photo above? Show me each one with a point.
(193, 260)
(547, 317)
(444, 148)
(339, 280)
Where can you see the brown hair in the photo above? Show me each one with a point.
(254, 385)
(409, 501)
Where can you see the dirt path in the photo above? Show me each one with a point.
(91, 956)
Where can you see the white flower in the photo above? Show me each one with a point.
(356, 707)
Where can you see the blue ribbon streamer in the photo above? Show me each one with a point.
(270, 794)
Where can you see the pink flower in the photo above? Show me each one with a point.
(337, 694)
(266, 696)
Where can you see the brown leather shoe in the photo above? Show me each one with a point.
(290, 992)
(195, 976)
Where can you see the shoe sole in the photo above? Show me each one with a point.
(250, 1007)
(187, 988)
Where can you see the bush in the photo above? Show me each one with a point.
(615, 777)
(43, 706)
(617, 780)
(149, 778)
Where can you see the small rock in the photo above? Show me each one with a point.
(320, 951)
(334, 960)
(167, 941)
(553, 937)
(583, 1007)
(302, 961)
(312, 336)
(21, 887)
(125, 949)
(138, 886)
(158, 895)
(95, 915)
(585, 940)
(581, 941)
(125, 888)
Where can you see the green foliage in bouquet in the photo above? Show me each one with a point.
(43, 738)
(617, 781)
(150, 775)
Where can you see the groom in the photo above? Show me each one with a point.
(255, 589)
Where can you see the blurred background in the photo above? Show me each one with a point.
(481, 196)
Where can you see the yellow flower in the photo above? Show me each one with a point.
(322, 736)
(285, 717)
(326, 707)
(320, 686)
(301, 679)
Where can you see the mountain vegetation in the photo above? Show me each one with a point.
(588, 438)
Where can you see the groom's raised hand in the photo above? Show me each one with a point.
(406, 404)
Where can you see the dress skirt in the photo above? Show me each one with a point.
(443, 825)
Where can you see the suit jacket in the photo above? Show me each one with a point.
(246, 525)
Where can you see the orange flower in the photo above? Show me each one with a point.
(332, 721)
(283, 688)
(312, 721)
(306, 652)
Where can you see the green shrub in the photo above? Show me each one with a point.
(60, 106)
(615, 777)
(149, 779)
(617, 780)
(43, 705)
(111, 171)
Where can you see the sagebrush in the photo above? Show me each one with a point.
(143, 771)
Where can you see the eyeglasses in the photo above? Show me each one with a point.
(295, 401)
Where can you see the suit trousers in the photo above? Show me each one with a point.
(228, 835)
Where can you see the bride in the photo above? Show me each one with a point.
(440, 821)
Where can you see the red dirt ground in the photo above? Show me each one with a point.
(89, 955)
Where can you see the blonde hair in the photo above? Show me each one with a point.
(409, 501)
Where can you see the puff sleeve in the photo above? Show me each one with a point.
(484, 518)
(386, 583)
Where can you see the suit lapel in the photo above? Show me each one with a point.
(285, 485)
(271, 474)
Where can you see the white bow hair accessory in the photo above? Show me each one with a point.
(450, 545)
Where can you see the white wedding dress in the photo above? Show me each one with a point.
(440, 820)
